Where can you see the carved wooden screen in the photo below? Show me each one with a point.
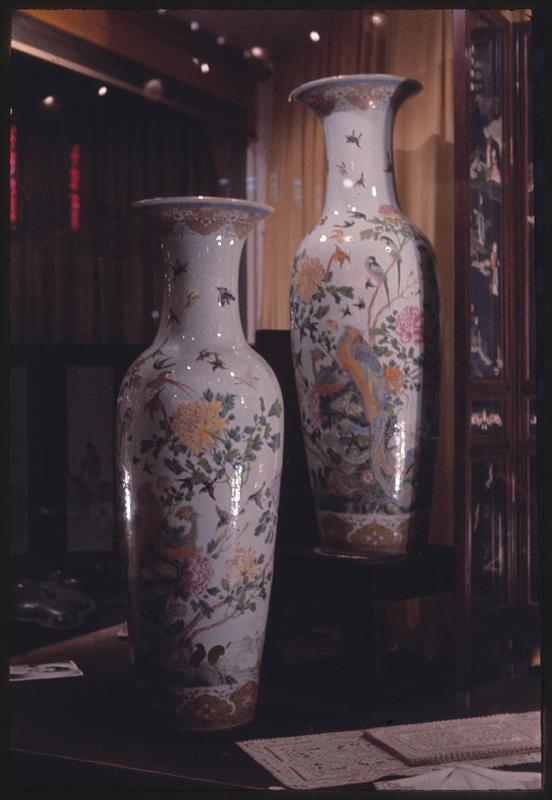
(495, 470)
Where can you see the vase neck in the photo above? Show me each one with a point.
(357, 112)
(202, 239)
(200, 299)
(359, 159)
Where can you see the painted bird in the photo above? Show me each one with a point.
(164, 378)
(357, 359)
(393, 250)
(353, 138)
(327, 381)
(375, 271)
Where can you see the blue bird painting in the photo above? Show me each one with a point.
(376, 272)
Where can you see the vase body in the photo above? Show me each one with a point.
(364, 332)
(199, 438)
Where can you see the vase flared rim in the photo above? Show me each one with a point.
(335, 81)
(203, 201)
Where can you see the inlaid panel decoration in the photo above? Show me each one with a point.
(486, 256)
(488, 418)
(488, 524)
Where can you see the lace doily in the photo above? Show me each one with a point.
(460, 739)
(341, 758)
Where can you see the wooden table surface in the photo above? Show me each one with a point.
(88, 732)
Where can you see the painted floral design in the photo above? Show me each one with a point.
(197, 456)
(242, 566)
(394, 378)
(363, 365)
(389, 211)
(200, 569)
(190, 586)
(198, 423)
(409, 325)
(308, 277)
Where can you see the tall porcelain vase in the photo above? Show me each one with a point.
(199, 438)
(364, 332)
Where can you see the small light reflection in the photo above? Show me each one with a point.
(236, 491)
(347, 183)
(374, 191)
(399, 468)
(323, 238)
(127, 502)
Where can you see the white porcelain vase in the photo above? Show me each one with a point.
(364, 332)
(199, 454)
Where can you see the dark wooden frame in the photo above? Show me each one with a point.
(514, 387)
(46, 367)
(528, 632)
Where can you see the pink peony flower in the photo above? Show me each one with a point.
(389, 211)
(410, 325)
(200, 572)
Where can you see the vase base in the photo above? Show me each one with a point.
(372, 536)
(197, 709)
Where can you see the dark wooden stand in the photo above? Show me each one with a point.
(353, 592)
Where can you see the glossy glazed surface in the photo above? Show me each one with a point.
(200, 425)
(364, 328)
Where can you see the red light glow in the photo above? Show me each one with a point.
(74, 187)
(13, 176)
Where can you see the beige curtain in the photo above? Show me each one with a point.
(296, 158)
(416, 44)
(419, 45)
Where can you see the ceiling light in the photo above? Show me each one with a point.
(205, 68)
(49, 101)
(161, 10)
(377, 19)
(258, 52)
(154, 87)
(195, 60)
(314, 36)
(194, 26)
(102, 91)
(221, 40)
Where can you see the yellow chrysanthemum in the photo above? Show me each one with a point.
(308, 277)
(197, 424)
(242, 565)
